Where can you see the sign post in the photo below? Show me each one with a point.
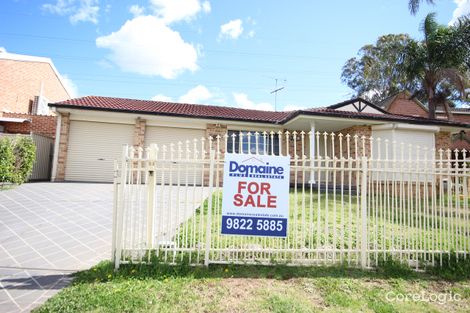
(255, 195)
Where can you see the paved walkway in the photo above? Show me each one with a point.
(48, 231)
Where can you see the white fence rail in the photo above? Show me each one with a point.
(355, 201)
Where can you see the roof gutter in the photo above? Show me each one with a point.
(279, 122)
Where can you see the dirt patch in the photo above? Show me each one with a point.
(247, 294)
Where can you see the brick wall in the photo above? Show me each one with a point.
(17, 128)
(443, 141)
(139, 133)
(360, 131)
(20, 81)
(39, 124)
(215, 130)
(63, 146)
(403, 105)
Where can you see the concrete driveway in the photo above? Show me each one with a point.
(48, 231)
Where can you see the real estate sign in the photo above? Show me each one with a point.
(255, 195)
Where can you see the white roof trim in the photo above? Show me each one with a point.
(404, 126)
(13, 119)
(30, 58)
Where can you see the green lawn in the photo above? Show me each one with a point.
(319, 220)
(163, 288)
(159, 287)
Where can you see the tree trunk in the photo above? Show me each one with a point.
(432, 107)
(448, 110)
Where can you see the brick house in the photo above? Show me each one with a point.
(94, 129)
(404, 104)
(27, 85)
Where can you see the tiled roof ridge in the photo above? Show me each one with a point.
(229, 113)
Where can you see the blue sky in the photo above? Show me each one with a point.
(209, 52)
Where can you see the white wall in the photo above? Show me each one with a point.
(409, 147)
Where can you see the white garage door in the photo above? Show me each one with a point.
(165, 136)
(92, 149)
(405, 138)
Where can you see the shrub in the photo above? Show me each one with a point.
(7, 160)
(17, 157)
(25, 153)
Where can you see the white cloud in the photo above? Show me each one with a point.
(242, 101)
(178, 10)
(293, 107)
(70, 86)
(463, 8)
(232, 29)
(206, 7)
(162, 98)
(61, 7)
(199, 94)
(87, 12)
(251, 34)
(136, 10)
(3, 50)
(145, 45)
(77, 10)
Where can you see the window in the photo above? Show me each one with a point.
(263, 144)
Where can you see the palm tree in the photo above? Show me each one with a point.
(413, 5)
(439, 61)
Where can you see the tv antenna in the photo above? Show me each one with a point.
(275, 91)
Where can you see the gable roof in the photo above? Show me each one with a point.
(235, 114)
(362, 104)
(30, 58)
(385, 103)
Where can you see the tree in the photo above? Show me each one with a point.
(374, 74)
(439, 62)
(413, 5)
(435, 70)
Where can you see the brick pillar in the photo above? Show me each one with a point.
(63, 146)
(139, 133)
(360, 131)
(215, 130)
(443, 141)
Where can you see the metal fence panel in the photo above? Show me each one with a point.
(347, 203)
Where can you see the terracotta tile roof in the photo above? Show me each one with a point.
(386, 117)
(460, 145)
(174, 109)
(228, 113)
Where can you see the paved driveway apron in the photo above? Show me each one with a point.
(48, 231)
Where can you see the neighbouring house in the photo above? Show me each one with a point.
(93, 129)
(27, 85)
(405, 104)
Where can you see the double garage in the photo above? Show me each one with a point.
(93, 146)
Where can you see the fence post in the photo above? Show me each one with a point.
(209, 208)
(151, 184)
(115, 204)
(364, 243)
(120, 208)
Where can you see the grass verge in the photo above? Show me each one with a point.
(230, 288)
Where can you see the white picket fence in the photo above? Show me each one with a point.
(355, 201)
